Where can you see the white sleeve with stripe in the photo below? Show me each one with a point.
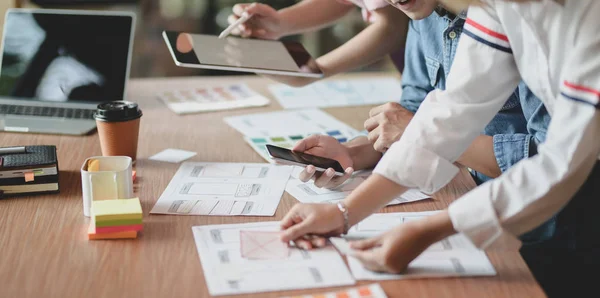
(537, 188)
(440, 132)
(534, 189)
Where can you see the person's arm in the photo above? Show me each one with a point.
(385, 35)
(268, 23)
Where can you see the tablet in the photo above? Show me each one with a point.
(240, 54)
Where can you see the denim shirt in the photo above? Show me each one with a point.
(517, 129)
(430, 48)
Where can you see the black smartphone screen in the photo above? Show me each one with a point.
(304, 158)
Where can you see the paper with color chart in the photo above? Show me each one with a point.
(370, 291)
(286, 128)
(309, 193)
(453, 256)
(224, 189)
(216, 98)
(338, 93)
(228, 273)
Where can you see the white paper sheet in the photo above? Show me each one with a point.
(337, 93)
(286, 128)
(227, 273)
(453, 256)
(214, 98)
(309, 193)
(224, 189)
(173, 155)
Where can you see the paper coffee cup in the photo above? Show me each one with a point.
(118, 128)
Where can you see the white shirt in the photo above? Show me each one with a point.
(554, 46)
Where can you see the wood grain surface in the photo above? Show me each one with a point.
(44, 251)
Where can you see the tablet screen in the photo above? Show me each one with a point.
(233, 53)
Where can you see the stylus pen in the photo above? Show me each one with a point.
(12, 150)
(245, 17)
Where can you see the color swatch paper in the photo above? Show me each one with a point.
(215, 98)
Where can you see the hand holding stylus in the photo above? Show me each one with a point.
(255, 20)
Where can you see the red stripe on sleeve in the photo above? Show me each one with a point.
(486, 30)
(581, 88)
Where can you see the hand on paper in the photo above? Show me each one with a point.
(394, 250)
(329, 147)
(265, 22)
(387, 124)
(308, 225)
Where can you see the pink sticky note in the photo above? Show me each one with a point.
(29, 176)
(258, 245)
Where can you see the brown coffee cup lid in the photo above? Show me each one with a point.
(117, 111)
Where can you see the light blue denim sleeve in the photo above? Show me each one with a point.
(511, 148)
(415, 78)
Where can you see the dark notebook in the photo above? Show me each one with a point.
(28, 170)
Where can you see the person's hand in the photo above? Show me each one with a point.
(308, 225)
(325, 146)
(394, 250)
(265, 22)
(387, 124)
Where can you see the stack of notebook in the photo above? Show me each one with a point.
(28, 170)
(115, 219)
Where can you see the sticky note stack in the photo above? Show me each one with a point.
(115, 219)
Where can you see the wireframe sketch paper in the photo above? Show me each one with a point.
(309, 193)
(224, 189)
(228, 273)
(337, 93)
(214, 98)
(453, 256)
(286, 128)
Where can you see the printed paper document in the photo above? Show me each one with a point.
(228, 273)
(309, 193)
(286, 128)
(453, 256)
(224, 189)
(337, 93)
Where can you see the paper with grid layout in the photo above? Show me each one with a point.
(228, 273)
(309, 193)
(337, 93)
(224, 189)
(451, 257)
(285, 128)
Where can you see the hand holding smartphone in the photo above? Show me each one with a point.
(296, 158)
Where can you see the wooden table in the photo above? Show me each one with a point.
(44, 251)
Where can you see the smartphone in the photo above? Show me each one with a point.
(241, 54)
(303, 159)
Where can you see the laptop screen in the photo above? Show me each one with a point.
(65, 56)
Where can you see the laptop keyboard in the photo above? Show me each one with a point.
(46, 111)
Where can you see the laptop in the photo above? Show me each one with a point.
(56, 66)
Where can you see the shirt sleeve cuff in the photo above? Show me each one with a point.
(416, 167)
(475, 217)
(510, 149)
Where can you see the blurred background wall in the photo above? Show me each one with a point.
(151, 57)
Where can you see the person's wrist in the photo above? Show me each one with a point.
(338, 218)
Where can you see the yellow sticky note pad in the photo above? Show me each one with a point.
(117, 209)
(93, 165)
